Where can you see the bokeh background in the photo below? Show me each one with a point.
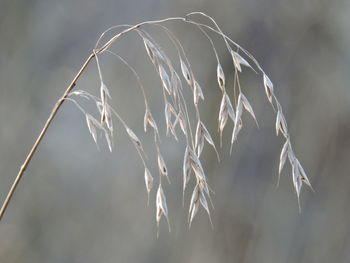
(78, 204)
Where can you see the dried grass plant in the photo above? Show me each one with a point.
(176, 110)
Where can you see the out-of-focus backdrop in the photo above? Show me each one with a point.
(78, 204)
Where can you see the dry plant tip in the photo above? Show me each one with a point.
(177, 111)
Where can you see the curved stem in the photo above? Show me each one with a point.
(111, 41)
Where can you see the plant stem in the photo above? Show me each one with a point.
(41, 136)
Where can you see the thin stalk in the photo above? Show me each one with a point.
(42, 134)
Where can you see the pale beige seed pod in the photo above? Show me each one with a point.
(92, 124)
(283, 155)
(162, 208)
(165, 79)
(150, 49)
(109, 139)
(238, 60)
(148, 119)
(148, 182)
(136, 141)
(104, 93)
(162, 167)
(268, 88)
(281, 123)
(194, 204)
(197, 93)
(186, 169)
(186, 73)
(238, 121)
(248, 107)
(220, 77)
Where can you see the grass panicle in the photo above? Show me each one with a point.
(173, 84)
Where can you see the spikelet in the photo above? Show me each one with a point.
(162, 208)
(238, 60)
(268, 88)
(186, 73)
(148, 182)
(220, 77)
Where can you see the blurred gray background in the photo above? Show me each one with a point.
(78, 204)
